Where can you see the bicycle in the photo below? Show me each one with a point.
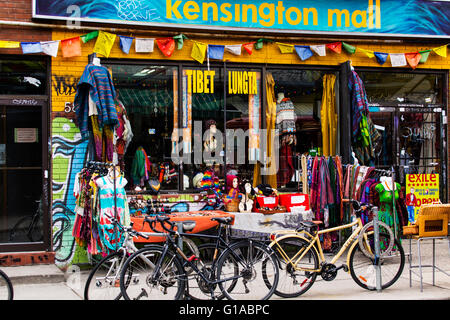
(6, 287)
(28, 228)
(157, 272)
(301, 257)
(106, 272)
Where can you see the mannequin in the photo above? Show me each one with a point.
(210, 144)
(384, 190)
(246, 203)
(233, 188)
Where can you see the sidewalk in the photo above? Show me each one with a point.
(47, 282)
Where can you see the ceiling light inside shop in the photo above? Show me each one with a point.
(144, 72)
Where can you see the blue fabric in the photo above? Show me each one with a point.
(216, 51)
(304, 52)
(96, 81)
(31, 47)
(125, 43)
(381, 57)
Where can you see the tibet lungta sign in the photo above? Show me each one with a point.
(387, 17)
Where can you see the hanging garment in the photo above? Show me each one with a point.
(328, 116)
(270, 127)
(95, 83)
(140, 167)
(305, 187)
(286, 167)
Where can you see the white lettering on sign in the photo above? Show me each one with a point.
(25, 102)
(297, 199)
(269, 200)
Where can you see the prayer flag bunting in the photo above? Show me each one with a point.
(441, 51)
(413, 59)
(50, 47)
(104, 43)
(398, 59)
(166, 45)
(259, 44)
(91, 35)
(285, 48)
(216, 51)
(180, 40)
(424, 56)
(234, 49)
(350, 49)
(71, 47)
(143, 45)
(381, 57)
(368, 53)
(248, 47)
(125, 43)
(319, 49)
(199, 51)
(9, 44)
(31, 47)
(304, 52)
(335, 46)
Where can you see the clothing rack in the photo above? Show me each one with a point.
(104, 165)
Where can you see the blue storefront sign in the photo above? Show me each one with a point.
(418, 18)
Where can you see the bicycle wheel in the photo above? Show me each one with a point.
(6, 288)
(103, 282)
(362, 268)
(250, 281)
(139, 280)
(198, 289)
(385, 245)
(296, 277)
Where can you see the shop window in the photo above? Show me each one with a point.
(397, 87)
(23, 77)
(148, 93)
(300, 130)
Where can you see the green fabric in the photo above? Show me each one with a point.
(138, 167)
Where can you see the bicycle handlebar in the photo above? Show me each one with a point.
(162, 221)
(358, 206)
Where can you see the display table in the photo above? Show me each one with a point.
(260, 225)
(201, 219)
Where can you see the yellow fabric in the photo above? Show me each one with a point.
(271, 116)
(328, 116)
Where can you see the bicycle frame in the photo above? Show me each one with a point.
(314, 243)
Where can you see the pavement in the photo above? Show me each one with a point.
(48, 282)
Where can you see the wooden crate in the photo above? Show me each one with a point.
(433, 225)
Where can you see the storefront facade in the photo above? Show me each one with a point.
(172, 97)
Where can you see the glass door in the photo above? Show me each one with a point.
(22, 201)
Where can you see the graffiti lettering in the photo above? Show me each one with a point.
(65, 85)
(25, 102)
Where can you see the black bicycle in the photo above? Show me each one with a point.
(6, 288)
(159, 271)
(28, 228)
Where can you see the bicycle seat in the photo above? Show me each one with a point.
(308, 225)
(188, 225)
(224, 220)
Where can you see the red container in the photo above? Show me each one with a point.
(290, 200)
(266, 202)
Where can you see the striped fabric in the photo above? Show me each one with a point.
(96, 81)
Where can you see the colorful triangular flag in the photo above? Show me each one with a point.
(104, 43)
(180, 40)
(71, 47)
(368, 53)
(335, 46)
(381, 57)
(304, 52)
(424, 56)
(216, 51)
(413, 58)
(125, 43)
(199, 51)
(144, 45)
(349, 48)
(91, 35)
(248, 47)
(166, 45)
(31, 47)
(319, 49)
(441, 51)
(50, 47)
(9, 44)
(398, 59)
(234, 49)
(285, 48)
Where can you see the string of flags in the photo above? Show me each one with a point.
(200, 51)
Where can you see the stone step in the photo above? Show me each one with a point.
(34, 274)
